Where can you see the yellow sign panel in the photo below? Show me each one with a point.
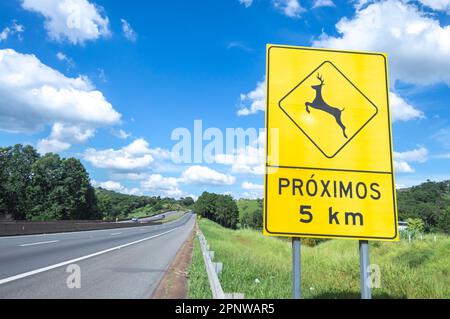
(329, 165)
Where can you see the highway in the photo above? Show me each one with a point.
(113, 263)
(149, 219)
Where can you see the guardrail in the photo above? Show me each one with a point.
(213, 269)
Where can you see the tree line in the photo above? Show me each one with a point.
(48, 187)
(219, 208)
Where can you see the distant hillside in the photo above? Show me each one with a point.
(117, 205)
(429, 201)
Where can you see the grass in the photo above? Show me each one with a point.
(198, 285)
(173, 217)
(260, 266)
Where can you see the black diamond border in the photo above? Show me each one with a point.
(299, 127)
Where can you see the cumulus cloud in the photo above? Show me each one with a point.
(128, 31)
(33, 95)
(74, 20)
(202, 175)
(14, 29)
(133, 157)
(401, 159)
(251, 186)
(418, 46)
(163, 186)
(254, 101)
(401, 110)
(290, 8)
(117, 187)
(438, 5)
(63, 136)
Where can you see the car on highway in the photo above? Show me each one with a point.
(134, 220)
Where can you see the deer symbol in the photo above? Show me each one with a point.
(320, 104)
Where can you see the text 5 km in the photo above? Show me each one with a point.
(334, 217)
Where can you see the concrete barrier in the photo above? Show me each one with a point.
(13, 228)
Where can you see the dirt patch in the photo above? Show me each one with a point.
(174, 283)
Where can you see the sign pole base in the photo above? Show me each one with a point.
(296, 266)
(364, 268)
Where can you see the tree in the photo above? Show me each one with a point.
(16, 175)
(219, 208)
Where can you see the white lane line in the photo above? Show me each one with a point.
(114, 234)
(39, 243)
(72, 261)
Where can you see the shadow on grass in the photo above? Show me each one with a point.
(354, 295)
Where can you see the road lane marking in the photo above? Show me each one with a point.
(72, 261)
(39, 243)
(114, 234)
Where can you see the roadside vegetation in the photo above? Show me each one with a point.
(198, 284)
(260, 266)
(47, 187)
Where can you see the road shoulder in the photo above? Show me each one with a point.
(173, 285)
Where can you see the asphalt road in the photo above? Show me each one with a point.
(113, 263)
(149, 219)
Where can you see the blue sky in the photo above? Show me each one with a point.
(109, 81)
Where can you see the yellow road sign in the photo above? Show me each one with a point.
(329, 165)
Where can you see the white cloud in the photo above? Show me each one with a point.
(117, 187)
(63, 136)
(137, 147)
(246, 3)
(438, 5)
(251, 186)
(419, 155)
(128, 31)
(163, 186)
(13, 29)
(323, 3)
(418, 46)
(63, 57)
(121, 134)
(253, 101)
(403, 167)
(202, 175)
(401, 159)
(75, 20)
(133, 157)
(290, 8)
(401, 110)
(245, 160)
(33, 95)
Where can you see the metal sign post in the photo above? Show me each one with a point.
(364, 268)
(296, 265)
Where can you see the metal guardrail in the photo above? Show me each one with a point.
(213, 269)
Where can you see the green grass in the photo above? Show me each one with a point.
(198, 285)
(173, 217)
(329, 270)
